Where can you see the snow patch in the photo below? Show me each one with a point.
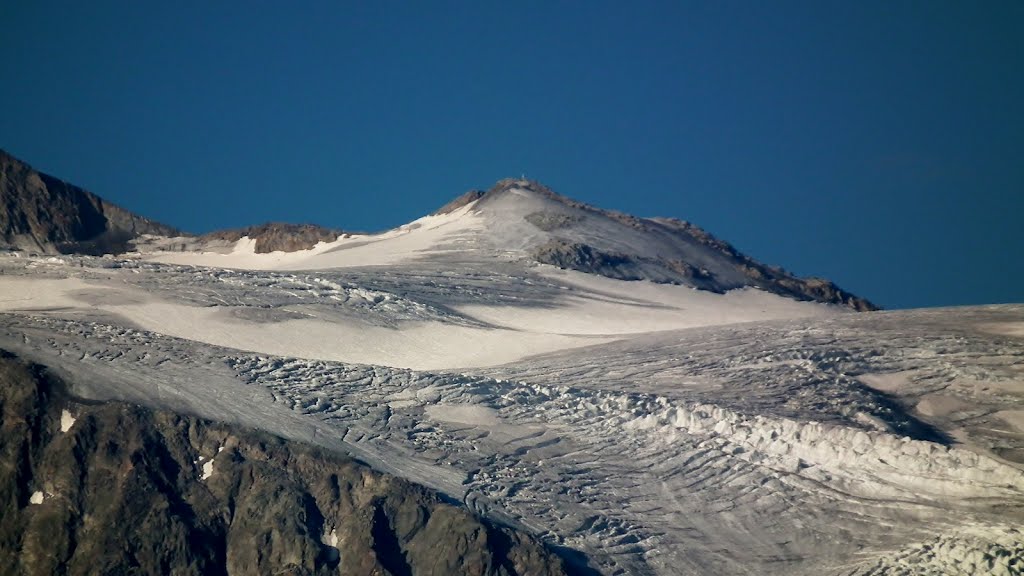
(36, 498)
(887, 382)
(207, 470)
(67, 420)
(330, 540)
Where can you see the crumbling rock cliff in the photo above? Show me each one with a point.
(40, 213)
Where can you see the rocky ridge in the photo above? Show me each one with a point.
(40, 213)
(278, 236)
(573, 235)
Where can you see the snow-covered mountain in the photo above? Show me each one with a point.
(710, 417)
(524, 221)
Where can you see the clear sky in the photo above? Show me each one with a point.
(878, 144)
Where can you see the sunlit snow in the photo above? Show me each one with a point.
(67, 420)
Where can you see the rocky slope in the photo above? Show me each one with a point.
(88, 488)
(41, 213)
(277, 236)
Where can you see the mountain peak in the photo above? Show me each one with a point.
(526, 218)
(503, 186)
(46, 214)
(506, 184)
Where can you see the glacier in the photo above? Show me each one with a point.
(654, 427)
(753, 435)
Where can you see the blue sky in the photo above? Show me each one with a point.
(879, 144)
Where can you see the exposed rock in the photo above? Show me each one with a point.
(773, 278)
(42, 213)
(278, 236)
(548, 221)
(111, 488)
(584, 258)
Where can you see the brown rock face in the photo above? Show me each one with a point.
(278, 236)
(90, 488)
(41, 213)
(585, 258)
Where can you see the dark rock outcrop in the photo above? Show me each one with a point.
(279, 236)
(110, 488)
(773, 278)
(41, 213)
(586, 258)
(549, 222)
